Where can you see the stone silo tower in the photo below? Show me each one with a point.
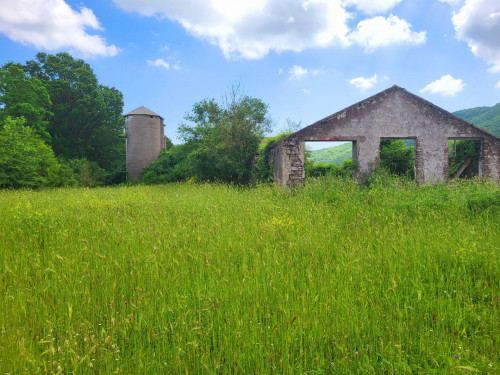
(145, 139)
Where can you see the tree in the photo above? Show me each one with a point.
(171, 166)
(397, 157)
(86, 120)
(24, 96)
(25, 160)
(222, 139)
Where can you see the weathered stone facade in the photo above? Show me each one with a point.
(392, 113)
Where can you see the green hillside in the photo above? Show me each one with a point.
(487, 118)
(332, 155)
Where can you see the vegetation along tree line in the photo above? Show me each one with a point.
(59, 126)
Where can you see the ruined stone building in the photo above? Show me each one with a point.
(391, 114)
(145, 139)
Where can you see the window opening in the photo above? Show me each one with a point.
(464, 156)
(397, 156)
(337, 158)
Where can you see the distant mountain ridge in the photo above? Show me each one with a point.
(332, 155)
(487, 118)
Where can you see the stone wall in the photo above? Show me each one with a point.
(393, 113)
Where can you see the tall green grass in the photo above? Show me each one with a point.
(331, 277)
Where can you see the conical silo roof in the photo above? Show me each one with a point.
(142, 111)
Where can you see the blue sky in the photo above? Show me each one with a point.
(306, 58)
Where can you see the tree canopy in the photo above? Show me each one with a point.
(25, 159)
(62, 100)
(24, 96)
(220, 141)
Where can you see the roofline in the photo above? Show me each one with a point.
(142, 114)
(451, 114)
(151, 113)
(384, 93)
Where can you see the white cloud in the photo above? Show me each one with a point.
(382, 32)
(373, 6)
(160, 63)
(445, 86)
(251, 29)
(363, 83)
(478, 24)
(297, 72)
(280, 71)
(306, 91)
(453, 3)
(53, 25)
(497, 86)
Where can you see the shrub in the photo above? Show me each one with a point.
(25, 159)
(171, 166)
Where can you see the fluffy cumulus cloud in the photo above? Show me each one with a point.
(478, 24)
(373, 6)
(53, 25)
(252, 29)
(497, 86)
(445, 86)
(379, 32)
(297, 72)
(363, 83)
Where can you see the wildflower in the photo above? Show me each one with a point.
(106, 340)
(332, 363)
(456, 356)
(356, 353)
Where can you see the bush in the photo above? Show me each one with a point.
(398, 157)
(321, 169)
(25, 159)
(171, 166)
(87, 173)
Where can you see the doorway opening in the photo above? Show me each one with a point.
(397, 156)
(338, 158)
(464, 157)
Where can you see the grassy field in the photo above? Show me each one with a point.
(205, 279)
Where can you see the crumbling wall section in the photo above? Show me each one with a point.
(288, 158)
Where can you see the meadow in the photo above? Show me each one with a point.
(329, 278)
